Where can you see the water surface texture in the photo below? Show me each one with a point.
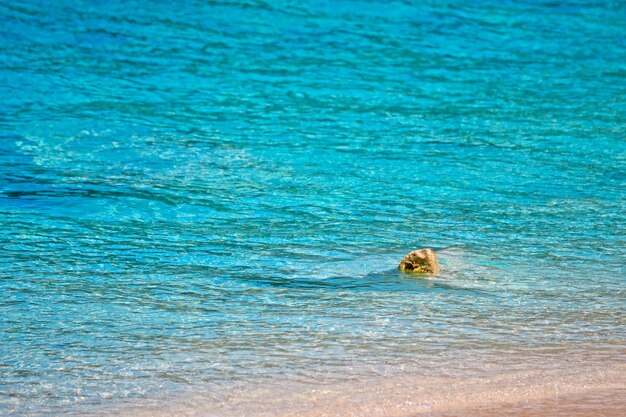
(204, 194)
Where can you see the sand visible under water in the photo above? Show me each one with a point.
(496, 390)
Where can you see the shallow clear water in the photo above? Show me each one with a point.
(204, 194)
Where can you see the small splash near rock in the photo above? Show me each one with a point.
(420, 261)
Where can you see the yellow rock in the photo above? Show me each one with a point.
(421, 261)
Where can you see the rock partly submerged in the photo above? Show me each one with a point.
(420, 261)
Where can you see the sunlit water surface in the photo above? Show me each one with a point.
(199, 196)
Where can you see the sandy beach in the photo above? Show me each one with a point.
(598, 390)
(591, 403)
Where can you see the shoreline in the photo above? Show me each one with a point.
(591, 403)
(587, 391)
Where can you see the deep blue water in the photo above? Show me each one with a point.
(210, 192)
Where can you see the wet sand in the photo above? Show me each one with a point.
(585, 391)
(592, 403)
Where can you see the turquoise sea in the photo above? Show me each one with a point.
(198, 196)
